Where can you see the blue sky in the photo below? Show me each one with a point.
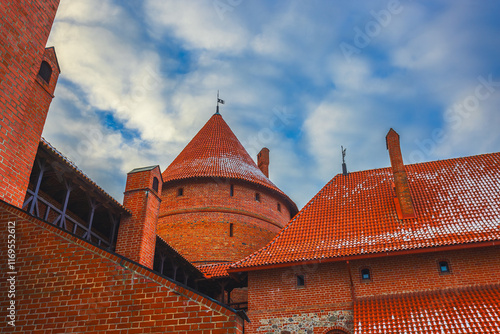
(140, 78)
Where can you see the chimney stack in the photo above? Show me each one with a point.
(403, 201)
(137, 233)
(263, 161)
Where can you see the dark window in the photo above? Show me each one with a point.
(301, 281)
(279, 207)
(444, 267)
(231, 190)
(180, 192)
(155, 184)
(257, 197)
(231, 229)
(45, 71)
(365, 274)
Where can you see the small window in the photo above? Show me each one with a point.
(257, 197)
(279, 207)
(231, 190)
(365, 274)
(301, 281)
(155, 184)
(45, 71)
(231, 229)
(444, 267)
(180, 192)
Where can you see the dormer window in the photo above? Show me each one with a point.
(45, 71)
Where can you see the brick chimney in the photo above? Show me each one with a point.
(137, 233)
(263, 161)
(403, 201)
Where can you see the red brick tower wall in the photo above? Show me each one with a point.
(137, 233)
(24, 100)
(207, 224)
(66, 285)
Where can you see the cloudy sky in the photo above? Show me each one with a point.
(140, 78)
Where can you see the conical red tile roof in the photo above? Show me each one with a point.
(216, 152)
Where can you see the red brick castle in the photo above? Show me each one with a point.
(211, 245)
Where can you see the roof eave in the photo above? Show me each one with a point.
(367, 256)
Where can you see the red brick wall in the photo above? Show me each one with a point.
(137, 233)
(325, 300)
(275, 299)
(419, 272)
(65, 285)
(197, 223)
(24, 27)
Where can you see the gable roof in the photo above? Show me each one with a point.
(457, 201)
(216, 152)
(464, 310)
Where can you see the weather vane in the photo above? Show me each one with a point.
(221, 101)
(344, 166)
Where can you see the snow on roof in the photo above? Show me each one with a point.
(216, 152)
(457, 201)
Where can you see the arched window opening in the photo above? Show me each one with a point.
(155, 184)
(45, 71)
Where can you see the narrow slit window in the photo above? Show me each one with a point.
(231, 229)
(279, 207)
(180, 192)
(301, 281)
(365, 274)
(231, 190)
(155, 184)
(257, 197)
(444, 267)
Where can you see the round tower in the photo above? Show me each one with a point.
(217, 205)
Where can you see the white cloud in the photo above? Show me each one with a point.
(197, 24)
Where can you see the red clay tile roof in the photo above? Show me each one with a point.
(465, 310)
(216, 152)
(457, 201)
(215, 270)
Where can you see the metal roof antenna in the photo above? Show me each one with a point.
(221, 101)
(344, 166)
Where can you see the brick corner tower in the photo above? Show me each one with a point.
(137, 233)
(217, 204)
(28, 76)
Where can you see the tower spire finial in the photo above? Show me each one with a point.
(221, 101)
